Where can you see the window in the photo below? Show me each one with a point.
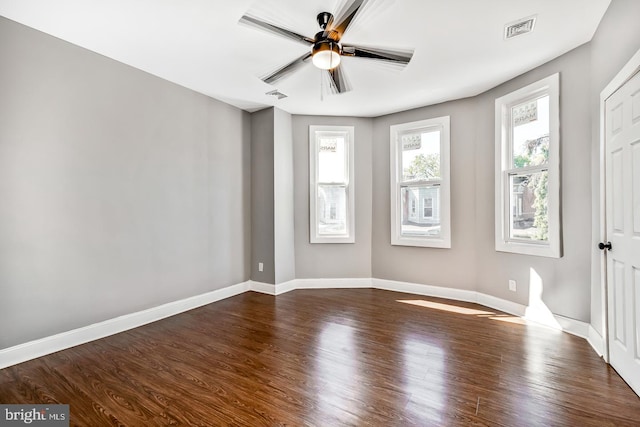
(428, 208)
(420, 184)
(333, 212)
(331, 184)
(528, 170)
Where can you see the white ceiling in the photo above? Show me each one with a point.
(459, 45)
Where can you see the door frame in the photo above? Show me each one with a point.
(629, 70)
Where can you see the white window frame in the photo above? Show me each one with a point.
(444, 239)
(314, 133)
(503, 243)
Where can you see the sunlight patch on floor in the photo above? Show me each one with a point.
(536, 314)
(446, 307)
(452, 308)
(510, 319)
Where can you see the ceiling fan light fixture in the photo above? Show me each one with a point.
(326, 55)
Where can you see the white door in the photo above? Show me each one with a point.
(622, 113)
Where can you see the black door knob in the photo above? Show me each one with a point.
(604, 246)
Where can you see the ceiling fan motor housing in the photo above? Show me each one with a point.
(323, 19)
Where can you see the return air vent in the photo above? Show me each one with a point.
(277, 94)
(519, 27)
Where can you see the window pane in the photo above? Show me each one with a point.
(530, 138)
(420, 155)
(420, 211)
(529, 206)
(428, 208)
(332, 210)
(331, 158)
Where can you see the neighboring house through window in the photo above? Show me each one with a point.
(428, 208)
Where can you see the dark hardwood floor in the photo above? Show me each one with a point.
(350, 357)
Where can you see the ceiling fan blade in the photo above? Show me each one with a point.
(346, 15)
(286, 70)
(396, 56)
(274, 29)
(338, 80)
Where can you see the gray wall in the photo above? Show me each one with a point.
(114, 187)
(565, 280)
(284, 218)
(615, 42)
(262, 203)
(333, 260)
(455, 267)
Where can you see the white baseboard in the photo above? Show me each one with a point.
(33, 349)
(283, 288)
(271, 289)
(573, 326)
(426, 290)
(263, 288)
(37, 348)
(356, 283)
(596, 340)
(496, 303)
(292, 285)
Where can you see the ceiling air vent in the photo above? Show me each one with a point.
(521, 26)
(277, 94)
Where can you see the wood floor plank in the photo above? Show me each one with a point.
(346, 357)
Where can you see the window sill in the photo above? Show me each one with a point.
(548, 251)
(422, 242)
(341, 239)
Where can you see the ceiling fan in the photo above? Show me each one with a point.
(326, 49)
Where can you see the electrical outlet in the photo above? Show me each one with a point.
(260, 266)
(512, 285)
